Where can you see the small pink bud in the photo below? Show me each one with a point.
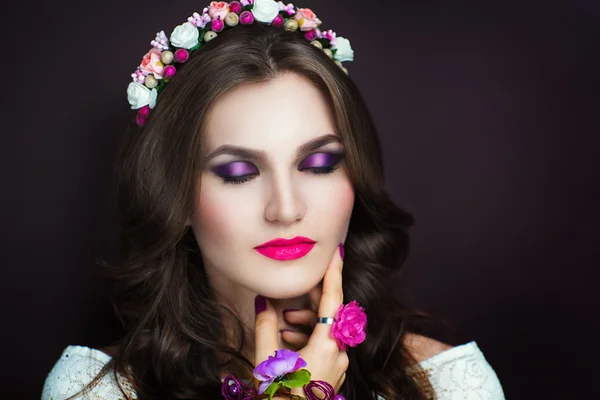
(310, 35)
(278, 21)
(140, 120)
(144, 111)
(216, 25)
(235, 6)
(246, 18)
(169, 71)
(181, 55)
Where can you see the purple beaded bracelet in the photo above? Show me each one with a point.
(324, 387)
(234, 389)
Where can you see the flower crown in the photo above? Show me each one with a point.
(161, 62)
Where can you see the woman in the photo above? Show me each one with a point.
(252, 203)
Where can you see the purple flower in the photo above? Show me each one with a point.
(200, 21)
(160, 42)
(289, 8)
(329, 35)
(139, 76)
(284, 362)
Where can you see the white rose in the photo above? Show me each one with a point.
(265, 10)
(344, 51)
(185, 36)
(139, 96)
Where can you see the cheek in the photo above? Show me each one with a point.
(217, 217)
(221, 219)
(334, 203)
(345, 204)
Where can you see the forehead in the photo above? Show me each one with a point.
(282, 113)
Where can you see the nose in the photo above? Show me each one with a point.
(285, 204)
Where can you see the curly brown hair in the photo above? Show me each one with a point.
(171, 318)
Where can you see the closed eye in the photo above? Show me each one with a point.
(239, 172)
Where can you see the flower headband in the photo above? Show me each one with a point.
(161, 62)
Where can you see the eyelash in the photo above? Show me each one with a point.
(236, 180)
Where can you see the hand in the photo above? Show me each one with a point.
(324, 359)
(304, 322)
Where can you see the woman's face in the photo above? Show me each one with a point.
(279, 191)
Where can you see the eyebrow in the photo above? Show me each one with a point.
(255, 155)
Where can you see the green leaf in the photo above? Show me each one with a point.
(272, 389)
(297, 379)
(197, 46)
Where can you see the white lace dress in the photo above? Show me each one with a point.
(461, 372)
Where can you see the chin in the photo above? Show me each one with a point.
(287, 288)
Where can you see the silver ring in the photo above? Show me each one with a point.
(325, 320)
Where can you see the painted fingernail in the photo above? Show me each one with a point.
(260, 304)
(341, 246)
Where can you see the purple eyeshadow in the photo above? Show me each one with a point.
(238, 168)
(318, 160)
(242, 168)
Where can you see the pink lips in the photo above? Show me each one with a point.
(286, 249)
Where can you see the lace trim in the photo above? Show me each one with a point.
(461, 372)
(76, 368)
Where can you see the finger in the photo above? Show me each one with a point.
(331, 298)
(295, 339)
(265, 332)
(301, 317)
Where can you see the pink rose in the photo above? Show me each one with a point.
(349, 326)
(151, 63)
(307, 19)
(218, 9)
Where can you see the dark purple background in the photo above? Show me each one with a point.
(487, 112)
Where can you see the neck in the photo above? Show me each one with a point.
(243, 308)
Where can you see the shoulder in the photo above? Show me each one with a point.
(423, 347)
(456, 372)
(76, 368)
